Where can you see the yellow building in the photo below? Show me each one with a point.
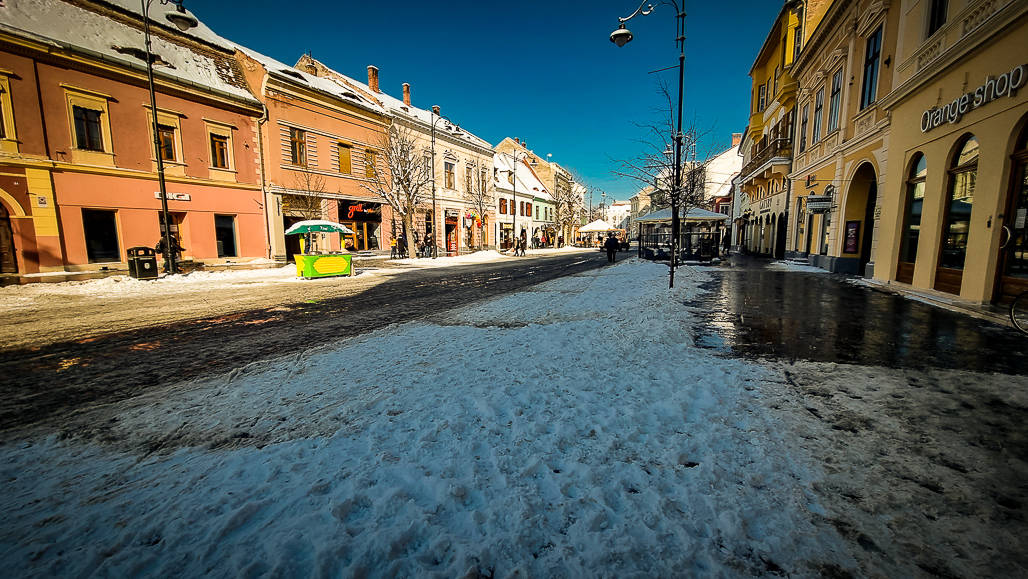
(767, 143)
(956, 189)
(842, 135)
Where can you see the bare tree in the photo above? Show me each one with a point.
(308, 200)
(480, 197)
(655, 167)
(407, 178)
(567, 207)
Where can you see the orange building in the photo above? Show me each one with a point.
(78, 179)
(320, 141)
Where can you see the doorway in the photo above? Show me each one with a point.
(8, 261)
(451, 235)
(783, 222)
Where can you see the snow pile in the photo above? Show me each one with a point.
(793, 266)
(553, 432)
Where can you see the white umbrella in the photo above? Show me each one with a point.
(317, 226)
(597, 226)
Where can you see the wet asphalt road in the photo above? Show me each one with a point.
(755, 311)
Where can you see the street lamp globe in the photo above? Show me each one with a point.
(182, 19)
(621, 36)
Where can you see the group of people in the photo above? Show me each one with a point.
(398, 246)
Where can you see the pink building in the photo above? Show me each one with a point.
(78, 179)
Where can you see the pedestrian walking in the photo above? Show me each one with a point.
(611, 245)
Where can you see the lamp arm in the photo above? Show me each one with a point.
(638, 11)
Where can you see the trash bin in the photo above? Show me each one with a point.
(142, 262)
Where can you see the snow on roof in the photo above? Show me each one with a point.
(317, 83)
(115, 40)
(527, 181)
(397, 107)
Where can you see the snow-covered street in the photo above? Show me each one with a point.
(572, 429)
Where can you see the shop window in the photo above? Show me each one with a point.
(872, 54)
(827, 228)
(297, 147)
(450, 179)
(937, 10)
(101, 231)
(835, 101)
(912, 210)
(960, 198)
(225, 235)
(819, 102)
(345, 159)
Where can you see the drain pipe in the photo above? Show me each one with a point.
(264, 190)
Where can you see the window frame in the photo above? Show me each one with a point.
(8, 128)
(370, 163)
(449, 176)
(346, 169)
(88, 99)
(224, 131)
(835, 103)
(872, 60)
(958, 172)
(297, 147)
(936, 16)
(915, 189)
(819, 105)
(803, 126)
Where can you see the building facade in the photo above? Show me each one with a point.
(78, 171)
(461, 166)
(516, 186)
(842, 136)
(955, 193)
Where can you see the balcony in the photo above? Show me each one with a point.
(765, 151)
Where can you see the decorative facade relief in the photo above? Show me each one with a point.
(977, 15)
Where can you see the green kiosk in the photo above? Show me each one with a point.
(321, 264)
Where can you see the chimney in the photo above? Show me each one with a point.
(435, 109)
(736, 139)
(373, 78)
(406, 93)
(517, 140)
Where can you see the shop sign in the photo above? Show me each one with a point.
(359, 211)
(173, 196)
(1003, 85)
(819, 203)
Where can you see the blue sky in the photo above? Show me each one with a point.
(542, 71)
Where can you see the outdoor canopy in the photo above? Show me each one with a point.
(596, 226)
(695, 214)
(317, 226)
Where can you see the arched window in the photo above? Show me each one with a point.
(912, 213)
(956, 226)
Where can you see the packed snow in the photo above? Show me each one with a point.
(571, 429)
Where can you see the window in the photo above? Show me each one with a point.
(761, 97)
(955, 228)
(797, 42)
(528, 209)
(297, 147)
(537, 212)
(912, 211)
(88, 129)
(370, 164)
(871, 57)
(835, 101)
(503, 206)
(467, 179)
(482, 181)
(450, 180)
(827, 227)
(8, 139)
(803, 127)
(521, 208)
(225, 235)
(166, 136)
(101, 231)
(936, 15)
(219, 151)
(345, 158)
(819, 102)
(775, 91)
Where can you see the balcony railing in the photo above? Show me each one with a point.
(766, 150)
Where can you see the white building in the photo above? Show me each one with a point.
(515, 192)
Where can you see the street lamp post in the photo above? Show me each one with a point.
(183, 21)
(436, 117)
(514, 203)
(623, 36)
